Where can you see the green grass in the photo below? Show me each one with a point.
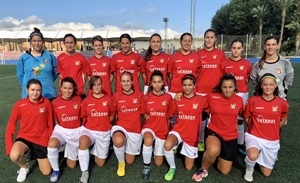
(286, 169)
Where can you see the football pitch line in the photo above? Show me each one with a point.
(8, 77)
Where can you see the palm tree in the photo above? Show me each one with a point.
(284, 5)
(260, 12)
(295, 25)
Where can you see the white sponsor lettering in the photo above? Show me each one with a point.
(124, 109)
(66, 118)
(261, 119)
(95, 113)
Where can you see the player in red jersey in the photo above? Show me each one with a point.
(126, 134)
(65, 136)
(181, 63)
(100, 65)
(264, 114)
(221, 132)
(126, 60)
(240, 68)
(156, 126)
(209, 72)
(98, 112)
(155, 60)
(73, 64)
(36, 125)
(186, 129)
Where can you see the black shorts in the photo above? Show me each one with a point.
(37, 151)
(228, 148)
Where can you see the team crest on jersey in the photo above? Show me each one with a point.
(104, 103)
(75, 106)
(42, 109)
(161, 60)
(132, 62)
(241, 67)
(45, 60)
(195, 106)
(278, 71)
(164, 103)
(104, 64)
(77, 62)
(275, 108)
(214, 56)
(191, 60)
(233, 106)
(135, 100)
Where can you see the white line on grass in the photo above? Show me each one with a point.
(12, 76)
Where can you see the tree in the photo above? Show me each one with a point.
(260, 12)
(284, 5)
(295, 25)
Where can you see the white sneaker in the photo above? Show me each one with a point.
(248, 175)
(22, 174)
(84, 177)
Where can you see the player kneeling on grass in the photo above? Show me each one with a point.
(221, 132)
(126, 134)
(264, 114)
(98, 112)
(156, 126)
(65, 136)
(36, 125)
(186, 129)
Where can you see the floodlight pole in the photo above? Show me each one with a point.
(166, 19)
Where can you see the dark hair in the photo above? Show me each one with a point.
(237, 41)
(36, 32)
(263, 58)
(93, 81)
(190, 77)
(128, 74)
(125, 36)
(149, 50)
(70, 35)
(156, 73)
(185, 34)
(33, 81)
(258, 91)
(97, 38)
(70, 80)
(211, 30)
(225, 77)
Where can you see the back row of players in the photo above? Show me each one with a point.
(187, 72)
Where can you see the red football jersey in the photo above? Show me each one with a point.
(241, 70)
(224, 114)
(158, 108)
(67, 112)
(129, 109)
(74, 66)
(189, 118)
(131, 63)
(101, 67)
(209, 69)
(264, 116)
(96, 112)
(157, 62)
(180, 65)
(36, 122)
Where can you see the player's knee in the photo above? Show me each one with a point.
(168, 146)
(267, 174)
(252, 156)
(14, 156)
(224, 172)
(189, 168)
(148, 142)
(84, 142)
(212, 152)
(53, 143)
(46, 171)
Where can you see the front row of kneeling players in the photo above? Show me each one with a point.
(81, 124)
